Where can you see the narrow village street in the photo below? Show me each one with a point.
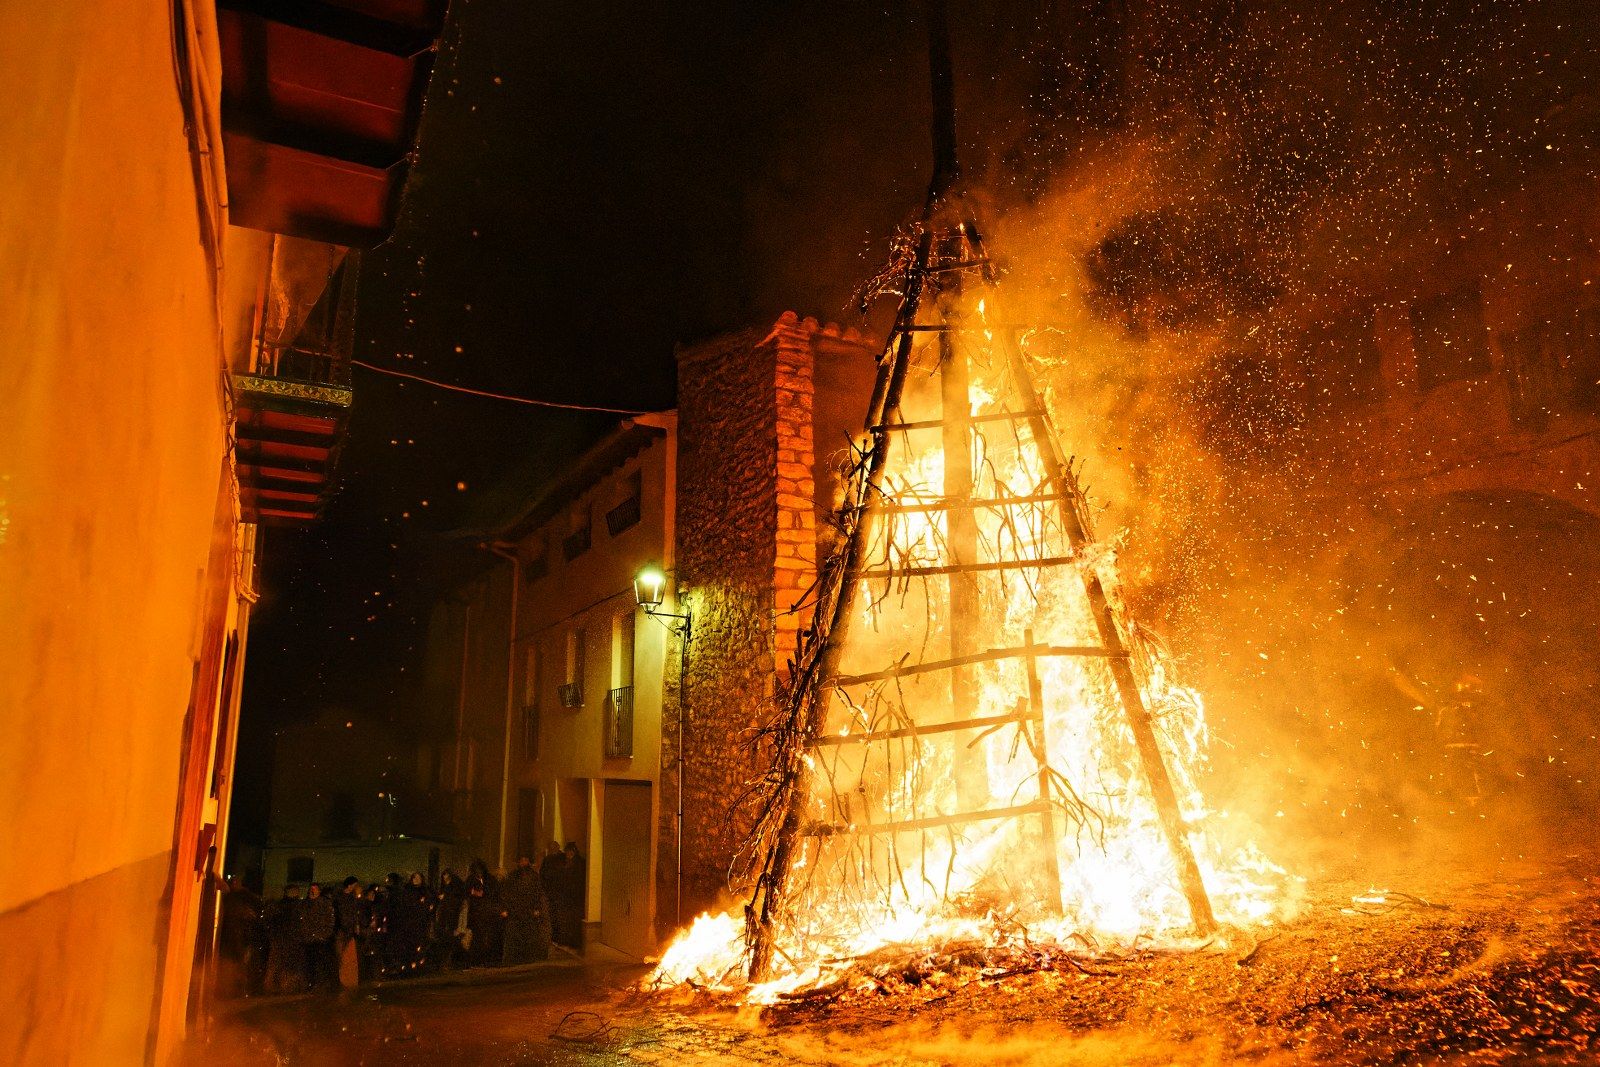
(837, 534)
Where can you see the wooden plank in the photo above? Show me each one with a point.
(269, 434)
(1047, 842)
(1036, 807)
(978, 722)
(965, 568)
(255, 472)
(990, 656)
(267, 453)
(936, 424)
(980, 502)
(961, 545)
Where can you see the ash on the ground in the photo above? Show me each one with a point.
(1487, 968)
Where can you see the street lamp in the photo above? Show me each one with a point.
(650, 590)
(649, 587)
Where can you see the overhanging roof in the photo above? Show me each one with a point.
(321, 100)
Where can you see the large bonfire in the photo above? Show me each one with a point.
(1070, 855)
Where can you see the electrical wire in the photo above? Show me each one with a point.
(498, 396)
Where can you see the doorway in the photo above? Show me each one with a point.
(625, 920)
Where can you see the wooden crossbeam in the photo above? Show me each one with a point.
(975, 723)
(964, 568)
(1025, 651)
(1037, 807)
(890, 508)
(935, 424)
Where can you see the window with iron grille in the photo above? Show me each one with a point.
(619, 722)
(626, 513)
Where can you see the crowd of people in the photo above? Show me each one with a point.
(330, 937)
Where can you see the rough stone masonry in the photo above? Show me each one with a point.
(763, 420)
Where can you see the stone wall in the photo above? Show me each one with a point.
(747, 535)
(727, 527)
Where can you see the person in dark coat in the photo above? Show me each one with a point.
(481, 918)
(350, 922)
(371, 941)
(527, 916)
(494, 930)
(392, 940)
(317, 926)
(451, 898)
(574, 883)
(286, 952)
(550, 868)
(553, 873)
(413, 924)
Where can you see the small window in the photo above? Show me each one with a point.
(530, 674)
(626, 512)
(579, 533)
(572, 689)
(301, 869)
(538, 564)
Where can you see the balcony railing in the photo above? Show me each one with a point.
(301, 364)
(619, 723)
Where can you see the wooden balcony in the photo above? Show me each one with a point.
(287, 434)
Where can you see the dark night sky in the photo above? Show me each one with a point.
(594, 184)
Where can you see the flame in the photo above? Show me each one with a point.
(706, 954)
(989, 882)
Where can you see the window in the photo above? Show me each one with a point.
(1448, 335)
(619, 701)
(538, 564)
(530, 674)
(619, 723)
(626, 512)
(572, 688)
(530, 703)
(301, 868)
(579, 532)
(622, 640)
(339, 820)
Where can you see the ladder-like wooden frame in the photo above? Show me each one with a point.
(945, 254)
